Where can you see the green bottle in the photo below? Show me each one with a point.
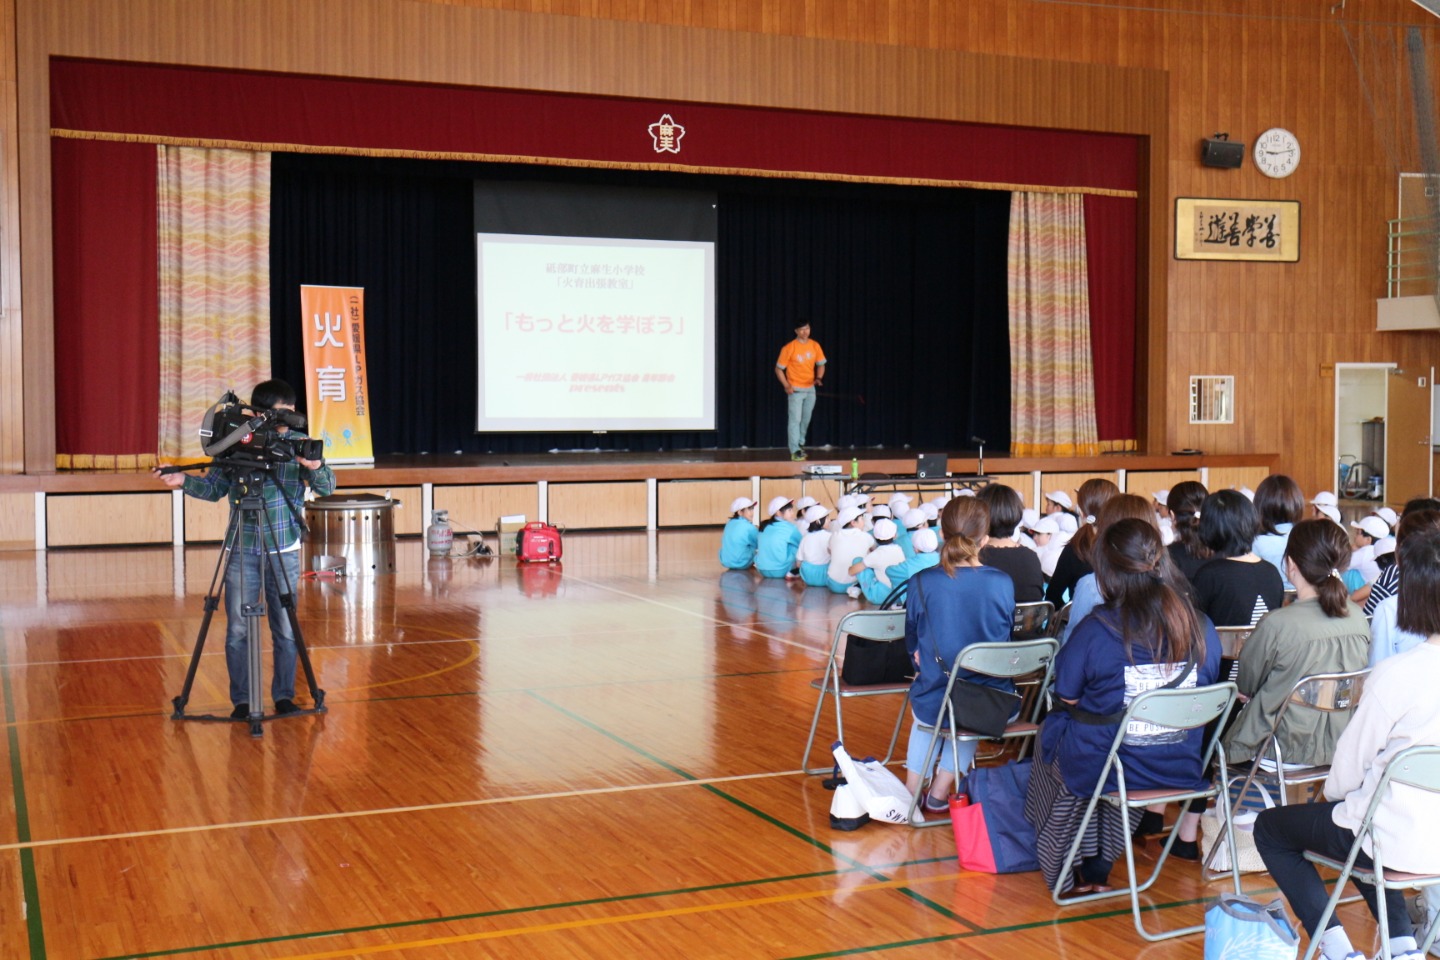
(855, 468)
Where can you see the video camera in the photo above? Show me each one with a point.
(235, 432)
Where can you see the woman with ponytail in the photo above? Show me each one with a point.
(1321, 632)
(1144, 635)
(1188, 552)
(948, 608)
(1075, 560)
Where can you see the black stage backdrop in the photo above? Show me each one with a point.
(905, 288)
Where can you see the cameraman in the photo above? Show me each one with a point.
(284, 490)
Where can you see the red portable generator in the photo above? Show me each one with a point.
(537, 543)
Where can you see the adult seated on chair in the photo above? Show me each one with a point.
(1087, 592)
(1135, 641)
(1003, 551)
(1321, 632)
(948, 608)
(1399, 710)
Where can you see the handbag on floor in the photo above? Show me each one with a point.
(991, 832)
(1212, 828)
(1238, 928)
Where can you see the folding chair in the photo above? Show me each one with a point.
(1033, 619)
(1179, 708)
(1232, 641)
(1417, 767)
(1009, 660)
(880, 625)
(1057, 624)
(1330, 692)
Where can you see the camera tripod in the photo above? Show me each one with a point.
(253, 511)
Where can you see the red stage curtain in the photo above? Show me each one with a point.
(107, 338)
(1111, 235)
(132, 98)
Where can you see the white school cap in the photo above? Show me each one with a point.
(925, 541)
(1373, 526)
(898, 497)
(1060, 497)
(1389, 516)
(1325, 499)
(776, 505)
(816, 512)
(1067, 521)
(931, 511)
(846, 500)
(914, 519)
(1329, 511)
(1161, 497)
(1384, 545)
(884, 529)
(741, 503)
(1046, 525)
(1029, 517)
(967, 492)
(1246, 492)
(847, 514)
(805, 503)
(880, 510)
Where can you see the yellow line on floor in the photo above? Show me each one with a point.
(212, 692)
(626, 918)
(388, 811)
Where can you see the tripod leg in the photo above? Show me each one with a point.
(212, 600)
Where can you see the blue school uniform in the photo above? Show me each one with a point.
(902, 540)
(775, 555)
(738, 543)
(900, 572)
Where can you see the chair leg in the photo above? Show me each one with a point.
(1313, 949)
(1434, 925)
(899, 722)
(814, 725)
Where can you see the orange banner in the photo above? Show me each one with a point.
(335, 388)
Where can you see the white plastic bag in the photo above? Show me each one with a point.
(878, 790)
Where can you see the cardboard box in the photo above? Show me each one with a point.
(505, 530)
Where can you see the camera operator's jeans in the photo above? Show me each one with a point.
(246, 566)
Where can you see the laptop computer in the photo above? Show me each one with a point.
(931, 466)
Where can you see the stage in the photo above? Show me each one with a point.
(578, 489)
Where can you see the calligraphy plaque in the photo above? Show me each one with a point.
(1237, 229)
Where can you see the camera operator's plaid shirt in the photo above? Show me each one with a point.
(289, 477)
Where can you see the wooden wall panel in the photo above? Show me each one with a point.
(478, 507)
(1070, 482)
(1233, 478)
(690, 503)
(12, 372)
(826, 491)
(1171, 70)
(1144, 483)
(206, 520)
(78, 521)
(1021, 483)
(17, 521)
(598, 506)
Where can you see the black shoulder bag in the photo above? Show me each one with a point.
(878, 661)
(977, 708)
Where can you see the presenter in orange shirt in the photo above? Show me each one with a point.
(800, 370)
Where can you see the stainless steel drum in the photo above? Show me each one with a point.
(356, 526)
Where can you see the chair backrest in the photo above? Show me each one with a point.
(1232, 640)
(1180, 708)
(1014, 658)
(1059, 621)
(1417, 766)
(1032, 618)
(1330, 691)
(872, 624)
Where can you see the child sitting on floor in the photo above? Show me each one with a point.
(814, 551)
(738, 542)
(871, 577)
(779, 540)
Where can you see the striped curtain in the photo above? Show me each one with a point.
(214, 252)
(1052, 379)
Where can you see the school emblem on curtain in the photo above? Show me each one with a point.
(666, 133)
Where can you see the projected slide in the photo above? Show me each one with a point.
(595, 334)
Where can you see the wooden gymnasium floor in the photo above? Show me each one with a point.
(517, 762)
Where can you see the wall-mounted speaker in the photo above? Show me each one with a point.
(1221, 153)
